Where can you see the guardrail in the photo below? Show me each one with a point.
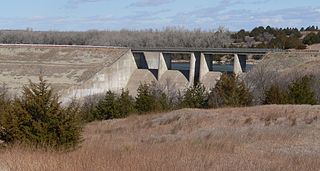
(208, 50)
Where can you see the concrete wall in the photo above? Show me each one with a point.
(140, 76)
(152, 59)
(206, 76)
(124, 73)
(236, 65)
(174, 78)
(114, 78)
(77, 72)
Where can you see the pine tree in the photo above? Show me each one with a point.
(145, 101)
(108, 108)
(195, 96)
(37, 118)
(230, 91)
(300, 91)
(126, 104)
(276, 95)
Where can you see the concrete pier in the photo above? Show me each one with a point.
(152, 59)
(236, 65)
(204, 66)
(192, 69)
(162, 67)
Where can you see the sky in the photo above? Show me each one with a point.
(82, 15)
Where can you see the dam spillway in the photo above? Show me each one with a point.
(80, 71)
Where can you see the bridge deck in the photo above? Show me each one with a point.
(207, 50)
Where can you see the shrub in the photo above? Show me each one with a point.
(88, 107)
(145, 101)
(161, 102)
(37, 118)
(107, 108)
(229, 91)
(113, 106)
(312, 38)
(126, 103)
(276, 95)
(300, 91)
(195, 97)
(214, 99)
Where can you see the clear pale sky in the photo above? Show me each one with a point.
(142, 14)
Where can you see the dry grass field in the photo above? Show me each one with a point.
(256, 138)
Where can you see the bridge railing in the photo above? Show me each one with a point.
(209, 50)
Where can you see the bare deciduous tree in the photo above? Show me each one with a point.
(168, 37)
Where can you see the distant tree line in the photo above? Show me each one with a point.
(259, 37)
(168, 37)
(269, 37)
(310, 28)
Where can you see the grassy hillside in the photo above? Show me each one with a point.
(255, 138)
(283, 69)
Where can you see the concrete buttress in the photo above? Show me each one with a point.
(204, 69)
(162, 66)
(236, 65)
(192, 69)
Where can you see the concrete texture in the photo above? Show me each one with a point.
(114, 78)
(139, 76)
(210, 79)
(73, 71)
(192, 69)
(80, 71)
(162, 68)
(175, 78)
(152, 59)
(236, 65)
(204, 68)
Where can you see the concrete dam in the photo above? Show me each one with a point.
(81, 71)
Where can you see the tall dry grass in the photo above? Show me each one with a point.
(257, 138)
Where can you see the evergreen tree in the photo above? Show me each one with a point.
(276, 95)
(311, 38)
(37, 118)
(163, 102)
(229, 91)
(145, 101)
(126, 104)
(300, 91)
(108, 108)
(195, 96)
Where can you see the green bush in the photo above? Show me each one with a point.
(276, 95)
(108, 108)
(126, 103)
(312, 38)
(195, 97)
(145, 100)
(229, 91)
(112, 106)
(300, 91)
(88, 108)
(37, 118)
(161, 102)
(152, 98)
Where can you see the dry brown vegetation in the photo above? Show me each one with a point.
(256, 138)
